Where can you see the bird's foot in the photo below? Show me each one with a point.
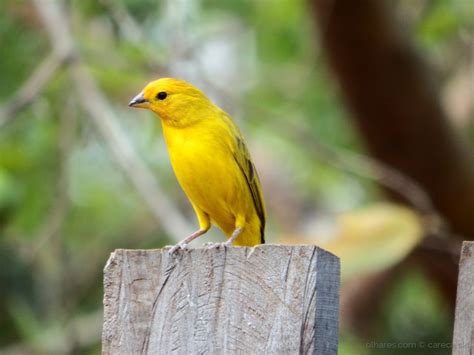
(179, 246)
(184, 243)
(211, 245)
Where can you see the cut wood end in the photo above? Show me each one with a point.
(262, 299)
(264, 247)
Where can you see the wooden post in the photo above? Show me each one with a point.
(463, 342)
(264, 300)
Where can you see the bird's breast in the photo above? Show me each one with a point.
(205, 168)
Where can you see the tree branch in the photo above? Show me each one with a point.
(395, 104)
(52, 226)
(33, 86)
(100, 112)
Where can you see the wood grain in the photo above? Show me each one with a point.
(464, 317)
(269, 299)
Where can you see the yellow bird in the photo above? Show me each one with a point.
(210, 160)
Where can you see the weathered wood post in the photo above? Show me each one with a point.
(270, 299)
(463, 339)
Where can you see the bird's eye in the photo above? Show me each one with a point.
(161, 95)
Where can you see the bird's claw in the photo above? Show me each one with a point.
(180, 246)
(211, 245)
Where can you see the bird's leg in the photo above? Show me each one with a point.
(182, 244)
(233, 237)
(229, 242)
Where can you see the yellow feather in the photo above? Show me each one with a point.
(210, 159)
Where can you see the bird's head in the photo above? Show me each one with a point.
(177, 102)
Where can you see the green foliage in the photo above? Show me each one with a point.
(440, 23)
(17, 286)
(29, 161)
(416, 314)
(18, 35)
(124, 43)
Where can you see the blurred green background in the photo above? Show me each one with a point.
(68, 197)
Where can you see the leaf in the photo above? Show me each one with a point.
(371, 239)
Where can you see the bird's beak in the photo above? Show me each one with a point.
(139, 101)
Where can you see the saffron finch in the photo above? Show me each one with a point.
(210, 161)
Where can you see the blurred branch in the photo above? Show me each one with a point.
(386, 176)
(395, 104)
(66, 140)
(50, 263)
(367, 167)
(33, 86)
(129, 28)
(101, 113)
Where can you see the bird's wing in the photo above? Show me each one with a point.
(243, 160)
